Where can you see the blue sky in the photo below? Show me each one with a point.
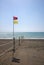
(30, 15)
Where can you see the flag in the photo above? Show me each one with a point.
(15, 20)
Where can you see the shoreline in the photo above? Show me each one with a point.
(23, 38)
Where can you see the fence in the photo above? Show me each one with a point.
(7, 46)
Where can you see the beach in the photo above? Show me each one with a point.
(27, 52)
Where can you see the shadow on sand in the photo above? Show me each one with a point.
(16, 60)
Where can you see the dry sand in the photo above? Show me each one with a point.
(29, 52)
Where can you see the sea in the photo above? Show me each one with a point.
(25, 35)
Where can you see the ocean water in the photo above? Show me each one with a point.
(25, 35)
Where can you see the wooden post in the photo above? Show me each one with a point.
(19, 41)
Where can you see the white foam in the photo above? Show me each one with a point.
(33, 38)
(6, 38)
(23, 38)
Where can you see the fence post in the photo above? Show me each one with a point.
(22, 37)
(19, 41)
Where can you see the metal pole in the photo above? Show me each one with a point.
(13, 44)
(13, 30)
(13, 39)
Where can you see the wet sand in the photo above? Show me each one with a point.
(29, 52)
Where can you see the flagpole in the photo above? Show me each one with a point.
(13, 44)
(13, 29)
(13, 39)
(14, 22)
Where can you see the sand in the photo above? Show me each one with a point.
(28, 52)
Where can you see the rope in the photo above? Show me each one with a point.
(5, 51)
(5, 44)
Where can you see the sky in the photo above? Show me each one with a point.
(30, 15)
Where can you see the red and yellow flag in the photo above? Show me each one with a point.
(15, 20)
